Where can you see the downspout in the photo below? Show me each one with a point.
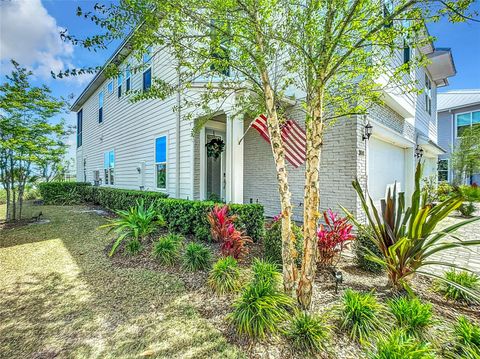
(177, 142)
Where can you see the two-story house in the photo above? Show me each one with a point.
(147, 145)
(457, 110)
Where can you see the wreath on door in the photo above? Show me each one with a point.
(215, 147)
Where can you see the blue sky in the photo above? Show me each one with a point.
(29, 33)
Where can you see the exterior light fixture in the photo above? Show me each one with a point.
(418, 152)
(338, 275)
(367, 131)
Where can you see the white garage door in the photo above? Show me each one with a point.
(386, 164)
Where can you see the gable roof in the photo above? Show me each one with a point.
(457, 98)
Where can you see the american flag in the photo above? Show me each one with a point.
(293, 136)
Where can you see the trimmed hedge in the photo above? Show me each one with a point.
(182, 216)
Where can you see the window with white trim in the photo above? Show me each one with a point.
(110, 87)
(147, 72)
(161, 162)
(79, 128)
(127, 78)
(428, 95)
(442, 168)
(109, 167)
(467, 120)
(100, 107)
(119, 85)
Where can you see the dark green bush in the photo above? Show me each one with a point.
(133, 246)
(467, 209)
(181, 215)
(224, 276)
(167, 249)
(273, 242)
(308, 333)
(266, 272)
(362, 245)
(196, 257)
(63, 193)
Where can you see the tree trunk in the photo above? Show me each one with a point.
(13, 213)
(311, 202)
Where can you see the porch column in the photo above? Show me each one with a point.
(410, 164)
(234, 152)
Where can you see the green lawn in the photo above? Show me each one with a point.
(60, 296)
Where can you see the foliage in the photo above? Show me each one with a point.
(360, 314)
(466, 339)
(62, 193)
(454, 281)
(222, 227)
(399, 345)
(181, 215)
(28, 137)
(266, 273)
(363, 247)
(308, 333)
(471, 193)
(203, 234)
(444, 191)
(406, 237)
(136, 223)
(166, 249)
(465, 157)
(467, 209)
(429, 189)
(224, 276)
(196, 257)
(333, 237)
(259, 310)
(413, 316)
(272, 243)
(133, 246)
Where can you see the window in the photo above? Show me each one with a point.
(119, 85)
(467, 120)
(147, 73)
(100, 107)
(161, 162)
(442, 170)
(387, 11)
(79, 128)
(220, 47)
(110, 87)
(407, 52)
(109, 166)
(127, 78)
(428, 95)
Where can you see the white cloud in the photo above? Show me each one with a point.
(31, 36)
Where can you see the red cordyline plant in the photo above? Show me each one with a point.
(333, 237)
(222, 228)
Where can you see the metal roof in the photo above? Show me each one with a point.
(457, 98)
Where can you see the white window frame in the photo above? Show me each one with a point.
(155, 163)
(148, 63)
(448, 169)
(110, 87)
(463, 113)
(128, 78)
(428, 94)
(109, 172)
(119, 84)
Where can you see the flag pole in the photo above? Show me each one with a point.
(245, 133)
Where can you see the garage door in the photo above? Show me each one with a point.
(386, 164)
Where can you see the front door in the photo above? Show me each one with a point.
(216, 178)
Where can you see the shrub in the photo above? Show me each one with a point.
(333, 237)
(223, 230)
(308, 333)
(166, 249)
(444, 190)
(466, 339)
(62, 193)
(412, 315)
(266, 273)
(455, 283)
(273, 241)
(467, 209)
(203, 234)
(400, 345)
(360, 314)
(138, 222)
(224, 276)
(133, 246)
(363, 247)
(471, 193)
(260, 310)
(196, 257)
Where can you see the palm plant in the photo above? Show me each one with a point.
(406, 237)
(135, 223)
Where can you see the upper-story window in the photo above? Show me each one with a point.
(79, 127)
(428, 95)
(119, 85)
(387, 11)
(109, 166)
(100, 107)
(147, 72)
(110, 87)
(127, 78)
(443, 170)
(161, 162)
(220, 51)
(467, 120)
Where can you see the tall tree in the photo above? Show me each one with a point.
(466, 156)
(27, 138)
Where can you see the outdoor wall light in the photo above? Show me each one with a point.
(338, 278)
(367, 131)
(418, 152)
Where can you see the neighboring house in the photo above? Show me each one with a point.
(457, 110)
(147, 145)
